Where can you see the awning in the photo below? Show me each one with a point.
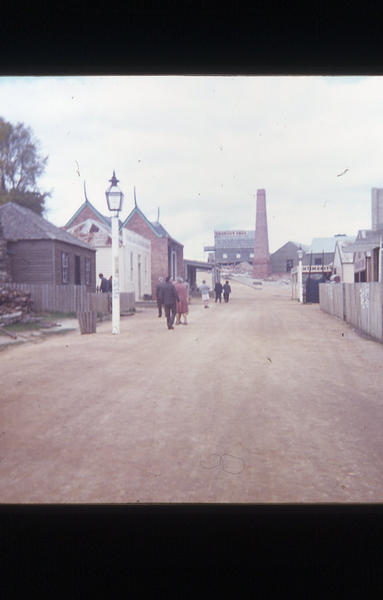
(362, 246)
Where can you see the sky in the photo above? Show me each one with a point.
(198, 148)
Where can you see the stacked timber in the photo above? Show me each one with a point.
(14, 305)
(87, 321)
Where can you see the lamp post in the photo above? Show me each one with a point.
(300, 283)
(114, 198)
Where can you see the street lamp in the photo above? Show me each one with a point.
(300, 284)
(114, 198)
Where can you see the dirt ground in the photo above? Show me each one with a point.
(258, 400)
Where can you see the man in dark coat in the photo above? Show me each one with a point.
(218, 291)
(226, 291)
(169, 298)
(159, 287)
(104, 285)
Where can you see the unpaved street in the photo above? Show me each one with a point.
(258, 400)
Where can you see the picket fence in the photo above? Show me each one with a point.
(359, 304)
(70, 298)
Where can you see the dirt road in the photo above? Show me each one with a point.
(258, 400)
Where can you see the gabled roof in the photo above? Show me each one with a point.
(155, 226)
(326, 245)
(20, 223)
(304, 247)
(84, 205)
(366, 241)
(139, 212)
(344, 249)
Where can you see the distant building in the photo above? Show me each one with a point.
(322, 250)
(343, 263)
(368, 243)
(366, 249)
(232, 247)
(285, 258)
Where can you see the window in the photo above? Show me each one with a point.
(251, 255)
(289, 265)
(64, 267)
(238, 255)
(87, 271)
(224, 255)
(318, 261)
(77, 270)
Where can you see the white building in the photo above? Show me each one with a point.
(343, 264)
(91, 227)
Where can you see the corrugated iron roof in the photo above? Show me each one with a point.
(20, 223)
(319, 245)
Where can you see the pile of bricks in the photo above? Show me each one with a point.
(14, 305)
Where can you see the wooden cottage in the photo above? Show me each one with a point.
(41, 253)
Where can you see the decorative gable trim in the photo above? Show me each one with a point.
(82, 207)
(136, 210)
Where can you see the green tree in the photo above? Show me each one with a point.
(20, 166)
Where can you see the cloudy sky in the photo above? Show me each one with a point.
(198, 148)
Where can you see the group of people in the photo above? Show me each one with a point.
(105, 284)
(218, 289)
(174, 299)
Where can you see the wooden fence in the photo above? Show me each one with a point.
(70, 298)
(102, 303)
(359, 304)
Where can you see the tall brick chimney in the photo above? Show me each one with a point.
(261, 262)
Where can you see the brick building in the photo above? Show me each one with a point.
(166, 252)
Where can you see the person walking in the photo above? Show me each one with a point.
(226, 291)
(204, 289)
(110, 284)
(159, 287)
(169, 298)
(218, 291)
(182, 304)
(104, 285)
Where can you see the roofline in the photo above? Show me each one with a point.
(78, 211)
(175, 241)
(137, 210)
(48, 236)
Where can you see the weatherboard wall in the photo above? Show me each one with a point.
(39, 262)
(359, 304)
